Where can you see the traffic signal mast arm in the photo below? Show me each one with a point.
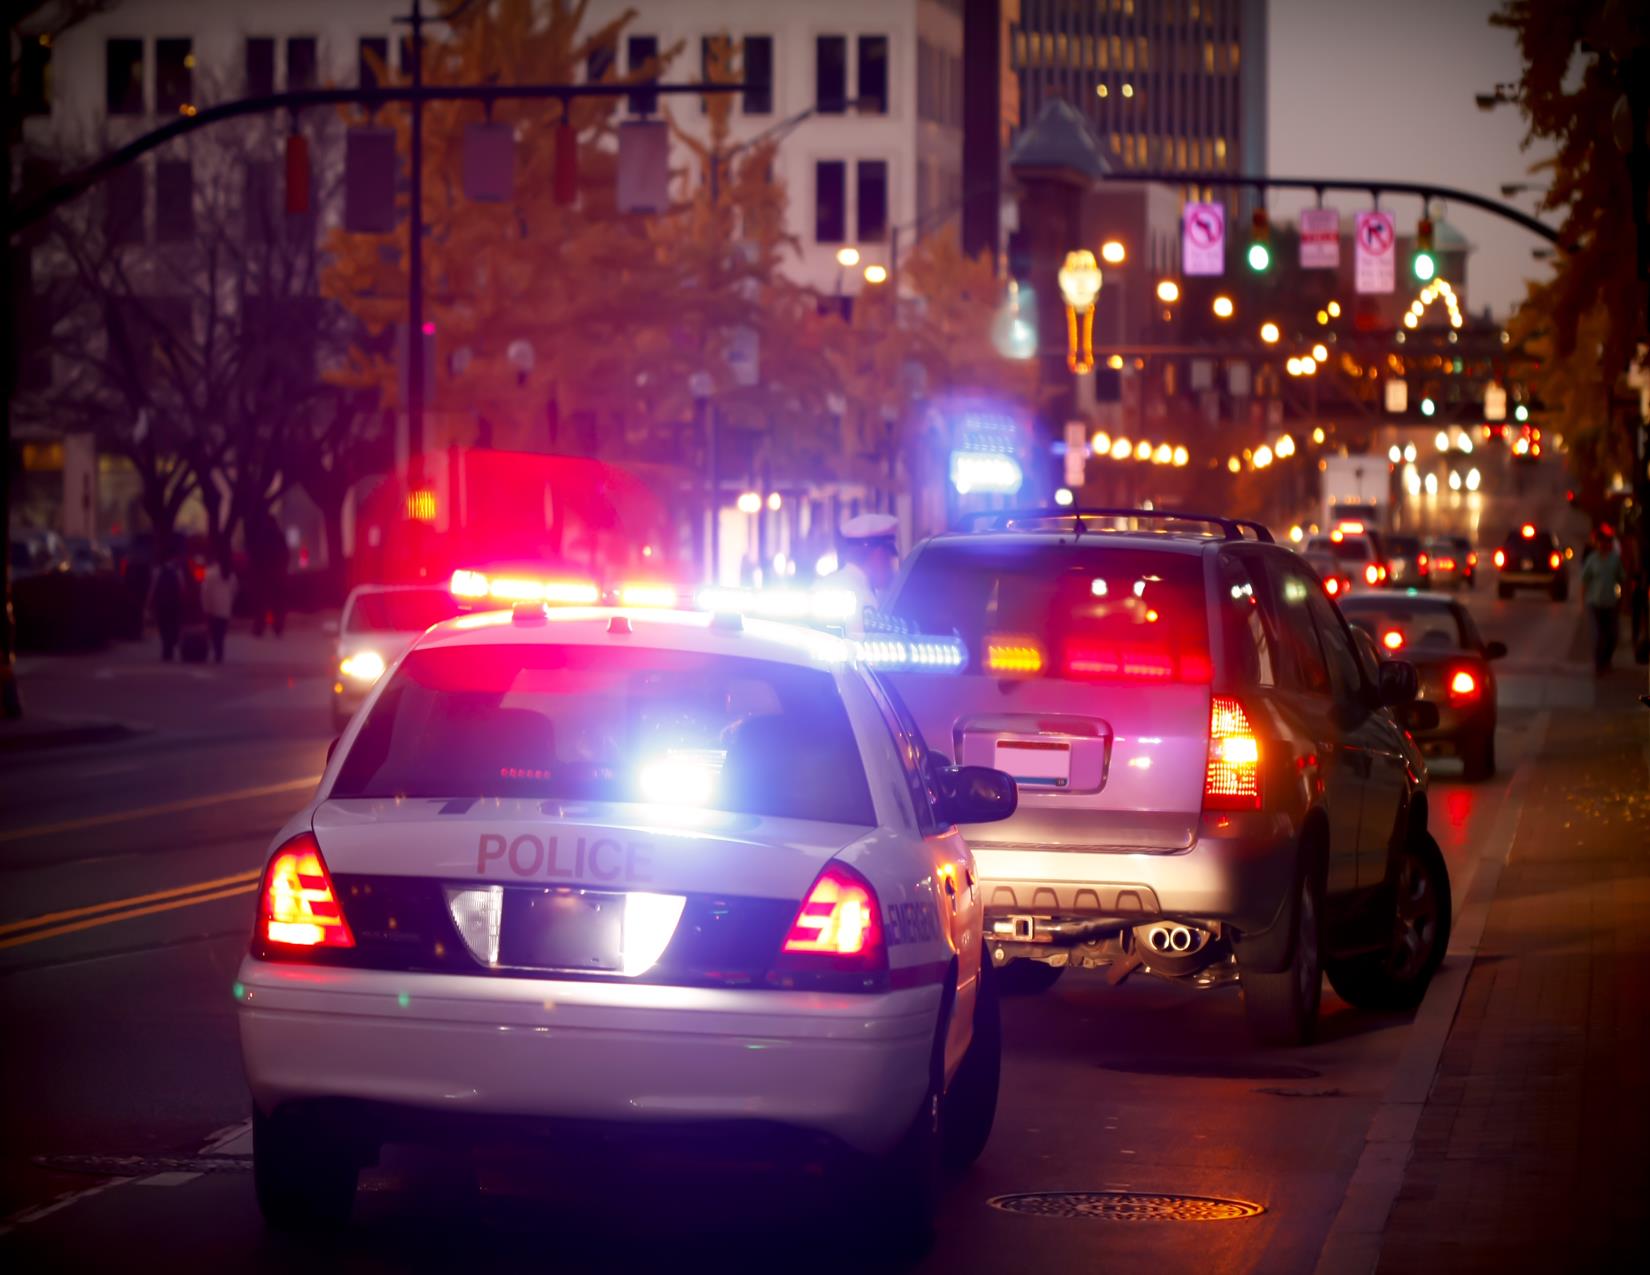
(62, 192)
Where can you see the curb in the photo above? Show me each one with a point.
(65, 735)
(1353, 1244)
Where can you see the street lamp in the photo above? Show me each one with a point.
(1168, 291)
(1080, 286)
(876, 274)
(1223, 307)
(1269, 332)
(1113, 253)
(847, 258)
(1320, 352)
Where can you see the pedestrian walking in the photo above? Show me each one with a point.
(166, 597)
(1602, 576)
(218, 602)
(267, 549)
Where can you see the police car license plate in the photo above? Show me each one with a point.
(1035, 763)
(561, 929)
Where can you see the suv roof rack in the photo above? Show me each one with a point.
(1001, 519)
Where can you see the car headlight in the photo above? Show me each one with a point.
(365, 667)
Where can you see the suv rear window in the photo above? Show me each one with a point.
(1346, 549)
(1081, 611)
(1540, 543)
(595, 723)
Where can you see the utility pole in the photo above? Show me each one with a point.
(11, 702)
(415, 258)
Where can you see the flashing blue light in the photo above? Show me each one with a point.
(985, 473)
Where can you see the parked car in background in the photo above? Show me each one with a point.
(1532, 558)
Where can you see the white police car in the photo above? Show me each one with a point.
(623, 866)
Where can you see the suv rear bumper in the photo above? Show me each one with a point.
(1238, 874)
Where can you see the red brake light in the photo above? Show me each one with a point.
(1554, 560)
(1527, 531)
(1472, 559)
(1332, 586)
(1372, 573)
(298, 907)
(1446, 564)
(839, 925)
(1500, 558)
(1392, 639)
(1423, 560)
(1463, 685)
(1232, 780)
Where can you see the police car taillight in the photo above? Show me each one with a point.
(838, 926)
(298, 907)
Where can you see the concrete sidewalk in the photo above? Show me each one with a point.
(1530, 1150)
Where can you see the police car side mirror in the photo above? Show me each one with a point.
(975, 794)
(1399, 683)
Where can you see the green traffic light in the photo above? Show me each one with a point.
(1425, 265)
(1260, 258)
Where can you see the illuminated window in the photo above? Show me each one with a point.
(1233, 57)
(1209, 56)
(1020, 48)
(1060, 50)
(1145, 53)
(1128, 56)
(1180, 153)
(1220, 149)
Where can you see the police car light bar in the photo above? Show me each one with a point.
(477, 585)
(913, 654)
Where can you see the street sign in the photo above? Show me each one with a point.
(644, 166)
(1397, 395)
(1320, 230)
(1373, 251)
(1077, 448)
(489, 163)
(1495, 403)
(1203, 239)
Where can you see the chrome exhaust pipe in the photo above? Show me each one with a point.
(1180, 938)
(1172, 938)
(1158, 938)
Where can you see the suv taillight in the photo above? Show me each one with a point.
(838, 927)
(1232, 781)
(298, 909)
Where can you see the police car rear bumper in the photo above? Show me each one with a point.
(851, 1067)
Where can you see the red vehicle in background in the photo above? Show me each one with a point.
(522, 526)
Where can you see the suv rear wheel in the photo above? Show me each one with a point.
(1027, 978)
(1397, 978)
(1282, 1007)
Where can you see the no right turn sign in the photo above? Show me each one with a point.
(1374, 251)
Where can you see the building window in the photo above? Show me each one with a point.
(831, 74)
(373, 53)
(301, 62)
(259, 206)
(174, 201)
(123, 77)
(640, 50)
(34, 75)
(260, 66)
(174, 76)
(871, 201)
(873, 74)
(124, 191)
(759, 74)
(830, 201)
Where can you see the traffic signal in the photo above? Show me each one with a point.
(1260, 243)
(1424, 263)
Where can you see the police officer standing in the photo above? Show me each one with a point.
(869, 561)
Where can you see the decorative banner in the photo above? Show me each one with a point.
(1373, 252)
(1320, 230)
(1203, 239)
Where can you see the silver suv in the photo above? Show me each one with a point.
(1212, 787)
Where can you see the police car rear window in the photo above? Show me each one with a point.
(596, 723)
(1085, 612)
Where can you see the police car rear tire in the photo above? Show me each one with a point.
(971, 1101)
(305, 1179)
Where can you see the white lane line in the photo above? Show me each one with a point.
(231, 1140)
(1353, 1244)
(166, 1179)
(62, 1202)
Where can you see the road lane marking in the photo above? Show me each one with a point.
(129, 915)
(165, 808)
(62, 1202)
(69, 914)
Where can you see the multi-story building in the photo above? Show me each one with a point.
(875, 88)
(1165, 84)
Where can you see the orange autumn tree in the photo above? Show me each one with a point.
(567, 283)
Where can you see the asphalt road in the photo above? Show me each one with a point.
(128, 872)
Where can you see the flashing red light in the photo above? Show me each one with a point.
(1463, 685)
(512, 589)
(1232, 780)
(839, 921)
(1392, 639)
(1500, 558)
(421, 505)
(1130, 663)
(1527, 531)
(298, 906)
(648, 595)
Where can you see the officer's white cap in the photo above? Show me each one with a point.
(870, 527)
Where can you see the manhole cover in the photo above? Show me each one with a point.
(1125, 1206)
(1212, 1068)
